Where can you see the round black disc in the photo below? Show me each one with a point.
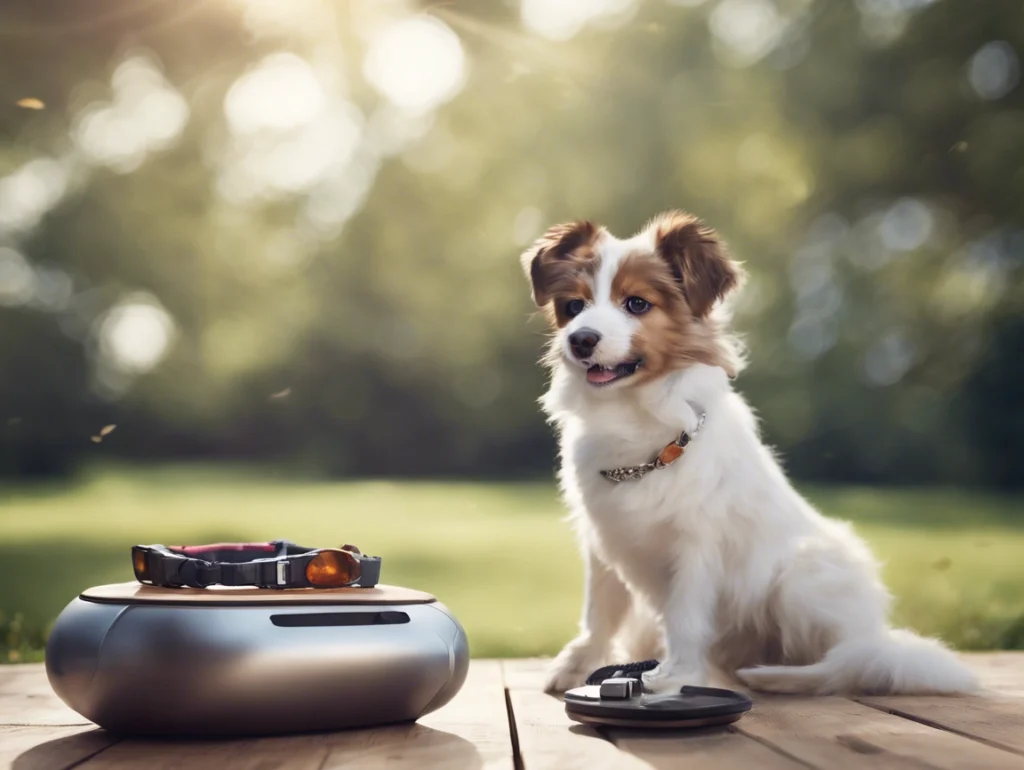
(690, 707)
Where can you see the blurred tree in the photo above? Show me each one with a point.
(270, 231)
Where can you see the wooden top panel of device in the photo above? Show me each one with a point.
(137, 593)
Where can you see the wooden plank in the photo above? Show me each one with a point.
(48, 747)
(479, 715)
(27, 699)
(406, 746)
(712, 748)
(548, 738)
(999, 672)
(391, 746)
(292, 753)
(471, 731)
(525, 673)
(993, 719)
(838, 733)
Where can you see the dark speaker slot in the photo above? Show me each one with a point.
(312, 619)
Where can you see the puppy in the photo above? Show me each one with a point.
(697, 550)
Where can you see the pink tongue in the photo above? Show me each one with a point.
(601, 375)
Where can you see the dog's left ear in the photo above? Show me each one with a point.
(698, 258)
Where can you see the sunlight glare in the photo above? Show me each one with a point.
(417, 64)
(564, 19)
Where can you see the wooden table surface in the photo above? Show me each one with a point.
(501, 719)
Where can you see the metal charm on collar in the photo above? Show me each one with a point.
(666, 457)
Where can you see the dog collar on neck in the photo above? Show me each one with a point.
(666, 456)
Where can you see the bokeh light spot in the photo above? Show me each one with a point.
(994, 70)
(279, 94)
(888, 360)
(135, 335)
(146, 115)
(17, 280)
(564, 19)
(907, 225)
(29, 192)
(416, 64)
(748, 29)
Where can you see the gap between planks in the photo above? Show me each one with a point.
(517, 757)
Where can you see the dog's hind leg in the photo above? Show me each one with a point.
(833, 615)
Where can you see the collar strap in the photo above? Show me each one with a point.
(665, 458)
(277, 564)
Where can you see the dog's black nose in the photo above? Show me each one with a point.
(583, 342)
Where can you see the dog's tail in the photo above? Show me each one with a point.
(896, 662)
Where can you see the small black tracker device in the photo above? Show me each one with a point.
(615, 696)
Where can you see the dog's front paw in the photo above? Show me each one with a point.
(571, 667)
(665, 679)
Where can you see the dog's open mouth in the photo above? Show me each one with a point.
(605, 375)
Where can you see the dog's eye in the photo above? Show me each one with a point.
(574, 307)
(637, 305)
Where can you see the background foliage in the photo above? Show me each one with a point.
(286, 230)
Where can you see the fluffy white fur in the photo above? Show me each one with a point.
(715, 562)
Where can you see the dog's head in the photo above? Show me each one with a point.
(629, 311)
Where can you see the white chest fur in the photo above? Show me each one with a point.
(640, 526)
(624, 520)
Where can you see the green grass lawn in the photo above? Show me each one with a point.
(499, 555)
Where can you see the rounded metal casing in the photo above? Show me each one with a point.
(194, 669)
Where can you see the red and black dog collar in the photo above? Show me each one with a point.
(277, 564)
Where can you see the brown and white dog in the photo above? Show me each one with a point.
(711, 560)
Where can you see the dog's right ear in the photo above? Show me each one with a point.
(552, 255)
